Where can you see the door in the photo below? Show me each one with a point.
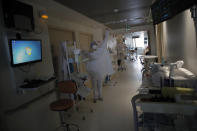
(84, 41)
(58, 36)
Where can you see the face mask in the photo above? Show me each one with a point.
(94, 47)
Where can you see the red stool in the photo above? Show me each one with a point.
(62, 105)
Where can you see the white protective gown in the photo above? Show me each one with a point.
(99, 66)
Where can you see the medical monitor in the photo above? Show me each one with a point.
(25, 51)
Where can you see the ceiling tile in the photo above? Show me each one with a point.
(103, 10)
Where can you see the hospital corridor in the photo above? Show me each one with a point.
(98, 65)
(115, 112)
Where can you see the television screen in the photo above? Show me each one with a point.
(25, 51)
(18, 15)
(163, 10)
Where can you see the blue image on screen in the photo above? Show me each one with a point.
(26, 51)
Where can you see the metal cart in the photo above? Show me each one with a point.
(161, 116)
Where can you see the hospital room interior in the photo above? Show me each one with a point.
(98, 65)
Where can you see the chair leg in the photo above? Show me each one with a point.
(67, 127)
(63, 123)
(62, 120)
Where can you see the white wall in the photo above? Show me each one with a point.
(26, 118)
(149, 28)
(36, 116)
(76, 28)
(180, 40)
(63, 17)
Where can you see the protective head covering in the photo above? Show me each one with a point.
(93, 45)
(100, 64)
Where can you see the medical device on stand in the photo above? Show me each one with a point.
(81, 78)
(78, 76)
(68, 52)
(68, 61)
(64, 67)
(72, 57)
(77, 54)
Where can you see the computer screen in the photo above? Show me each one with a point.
(25, 51)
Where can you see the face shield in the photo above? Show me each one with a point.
(94, 47)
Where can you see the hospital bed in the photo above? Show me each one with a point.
(160, 75)
(181, 77)
(165, 101)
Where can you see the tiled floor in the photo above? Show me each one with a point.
(115, 112)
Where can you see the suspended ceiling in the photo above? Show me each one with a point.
(115, 14)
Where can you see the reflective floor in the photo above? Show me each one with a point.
(115, 112)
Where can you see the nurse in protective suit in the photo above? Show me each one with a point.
(98, 66)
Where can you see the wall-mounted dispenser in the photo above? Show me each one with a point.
(44, 15)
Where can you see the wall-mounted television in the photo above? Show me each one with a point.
(163, 10)
(25, 51)
(18, 15)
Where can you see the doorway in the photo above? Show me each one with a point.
(85, 40)
(58, 36)
(138, 41)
